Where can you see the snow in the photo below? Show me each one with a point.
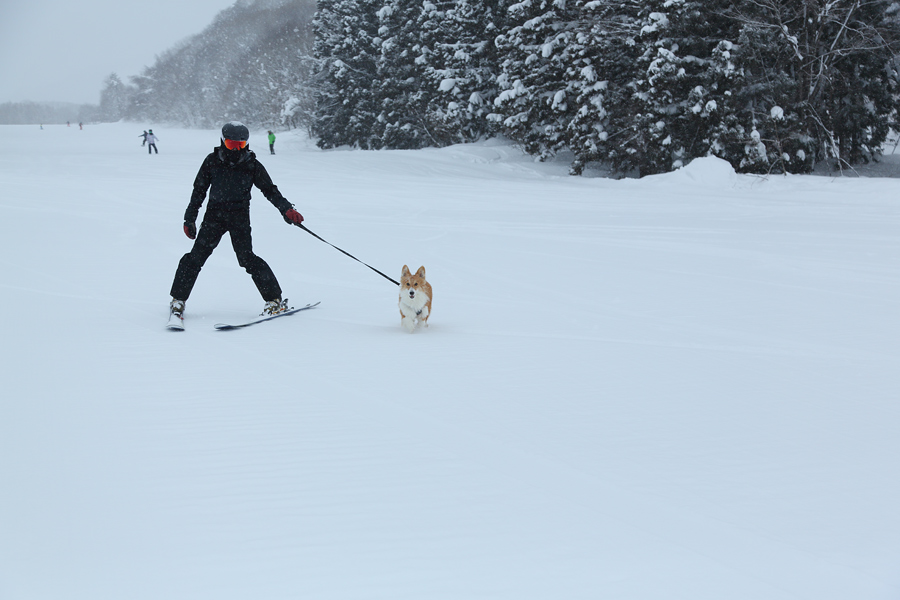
(447, 84)
(683, 386)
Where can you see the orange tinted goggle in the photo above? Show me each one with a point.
(235, 144)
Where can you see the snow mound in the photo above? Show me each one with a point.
(710, 170)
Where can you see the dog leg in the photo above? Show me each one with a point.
(409, 323)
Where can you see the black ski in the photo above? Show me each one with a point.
(226, 327)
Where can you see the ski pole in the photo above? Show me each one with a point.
(303, 227)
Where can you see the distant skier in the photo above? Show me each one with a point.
(151, 142)
(229, 173)
(143, 135)
(80, 126)
(271, 142)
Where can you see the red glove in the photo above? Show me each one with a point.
(190, 229)
(292, 217)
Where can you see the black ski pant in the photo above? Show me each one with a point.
(214, 226)
(151, 148)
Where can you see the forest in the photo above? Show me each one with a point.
(639, 87)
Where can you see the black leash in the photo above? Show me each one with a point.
(303, 227)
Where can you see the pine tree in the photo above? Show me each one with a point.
(772, 85)
(114, 99)
(400, 89)
(828, 74)
(686, 82)
(535, 99)
(767, 121)
(601, 75)
(348, 47)
(462, 70)
(566, 78)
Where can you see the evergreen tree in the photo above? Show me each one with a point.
(114, 99)
(347, 47)
(601, 80)
(401, 91)
(567, 79)
(828, 74)
(416, 73)
(686, 82)
(142, 107)
(768, 134)
(535, 97)
(247, 65)
(463, 69)
(772, 85)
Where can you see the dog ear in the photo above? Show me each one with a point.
(421, 272)
(405, 271)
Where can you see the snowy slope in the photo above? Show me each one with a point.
(680, 387)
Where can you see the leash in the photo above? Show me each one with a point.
(303, 227)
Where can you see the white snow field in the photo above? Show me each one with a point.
(679, 387)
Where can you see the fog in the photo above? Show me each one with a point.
(59, 51)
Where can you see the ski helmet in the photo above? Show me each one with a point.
(235, 130)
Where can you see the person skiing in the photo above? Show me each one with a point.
(271, 142)
(151, 142)
(229, 173)
(144, 135)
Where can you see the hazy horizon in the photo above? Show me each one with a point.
(58, 51)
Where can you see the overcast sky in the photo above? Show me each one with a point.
(62, 50)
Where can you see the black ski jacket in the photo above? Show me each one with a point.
(230, 181)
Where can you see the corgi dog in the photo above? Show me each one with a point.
(415, 299)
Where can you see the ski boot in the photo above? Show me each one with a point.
(176, 315)
(274, 307)
(176, 307)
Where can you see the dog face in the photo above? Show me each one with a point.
(412, 285)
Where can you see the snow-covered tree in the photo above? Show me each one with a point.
(404, 73)
(114, 99)
(535, 56)
(405, 37)
(685, 83)
(828, 68)
(347, 48)
(253, 59)
(769, 85)
(600, 81)
(462, 70)
(566, 72)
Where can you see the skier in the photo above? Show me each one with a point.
(151, 142)
(143, 135)
(230, 172)
(271, 142)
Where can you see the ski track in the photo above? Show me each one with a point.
(679, 387)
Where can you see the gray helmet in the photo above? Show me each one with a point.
(235, 130)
